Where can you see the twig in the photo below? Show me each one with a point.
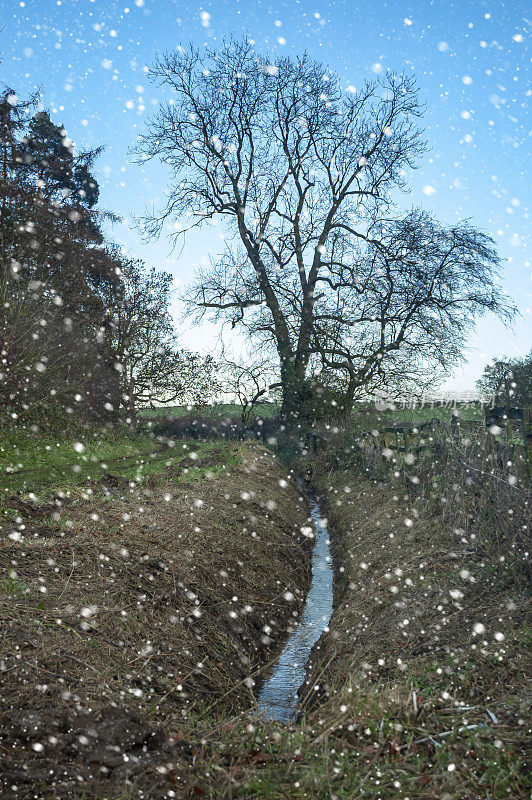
(444, 734)
(78, 661)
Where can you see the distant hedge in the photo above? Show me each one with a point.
(199, 427)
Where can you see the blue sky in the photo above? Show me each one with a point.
(471, 62)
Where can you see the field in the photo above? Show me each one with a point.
(218, 411)
(364, 413)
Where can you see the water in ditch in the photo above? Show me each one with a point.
(278, 696)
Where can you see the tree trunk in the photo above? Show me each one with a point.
(131, 410)
(292, 380)
(348, 399)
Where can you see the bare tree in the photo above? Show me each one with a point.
(248, 382)
(153, 369)
(397, 316)
(318, 265)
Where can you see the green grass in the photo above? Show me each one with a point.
(245, 758)
(215, 453)
(366, 416)
(43, 464)
(12, 588)
(362, 412)
(218, 411)
(29, 460)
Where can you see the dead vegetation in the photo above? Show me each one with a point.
(136, 617)
(130, 607)
(427, 660)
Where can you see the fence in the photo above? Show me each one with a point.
(505, 435)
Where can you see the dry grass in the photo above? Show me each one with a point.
(130, 669)
(428, 636)
(133, 606)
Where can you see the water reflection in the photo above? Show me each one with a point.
(278, 696)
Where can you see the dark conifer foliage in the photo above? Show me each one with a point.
(83, 329)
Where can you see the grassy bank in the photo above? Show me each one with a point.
(145, 593)
(424, 673)
(136, 606)
(42, 461)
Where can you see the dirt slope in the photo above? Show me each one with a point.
(125, 608)
(424, 672)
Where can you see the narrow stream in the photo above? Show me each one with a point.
(278, 696)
